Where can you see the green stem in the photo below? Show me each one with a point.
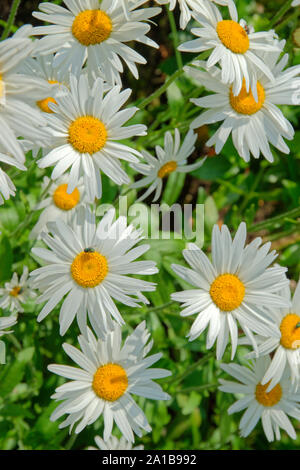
(285, 234)
(121, 194)
(292, 16)
(174, 38)
(71, 441)
(294, 213)
(190, 369)
(251, 193)
(11, 19)
(28, 219)
(142, 104)
(200, 388)
(161, 307)
(285, 7)
(12, 338)
(160, 90)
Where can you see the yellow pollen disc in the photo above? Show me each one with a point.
(87, 134)
(63, 200)
(110, 382)
(89, 269)
(166, 169)
(268, 399)
(44, 104)
(233, 36)
(91, 27)
(244, 102)
(15, 291)
(290, 334)
(227, 292)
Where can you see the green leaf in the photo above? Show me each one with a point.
(13, 374)
(6, 257)
(212, 169)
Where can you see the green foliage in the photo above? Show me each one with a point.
(231, 190)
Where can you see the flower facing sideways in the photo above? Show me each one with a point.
(271, 407)
(17, 118)
(284, 343)
(252, 124)
(236, 50)
(57, 203)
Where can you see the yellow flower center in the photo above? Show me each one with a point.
(110, 382)
(87, 134)
(15, 291)
(89, 268)
(227, 292)
(44, 104)
(233, 36)
(244, 102)
(91, 27)
(270, 398)
(166, 169)
(290, 333)
(63, 200)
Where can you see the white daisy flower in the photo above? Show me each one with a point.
(236, 50)
(253, 125)
(109, 374)
(7, 187)
(284, 343)
(271, 407)
(171, 158)
(16, 117)
(236, 287)
(91, 264)
(7, 322)
(296, 3)
(57, 203)
(16, 292)
(114, 444)
(85, 129)
(87, 31)
(187, 6)
(42, 66)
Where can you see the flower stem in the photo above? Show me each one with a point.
(11, 19)
(251, 193)
(160, 90)
(285, 7)
(143, 103)
(190, 369)
(294, 213)
(28, 219)
(174, 37)
(71, 441)
(161, 307)
(200, 388)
